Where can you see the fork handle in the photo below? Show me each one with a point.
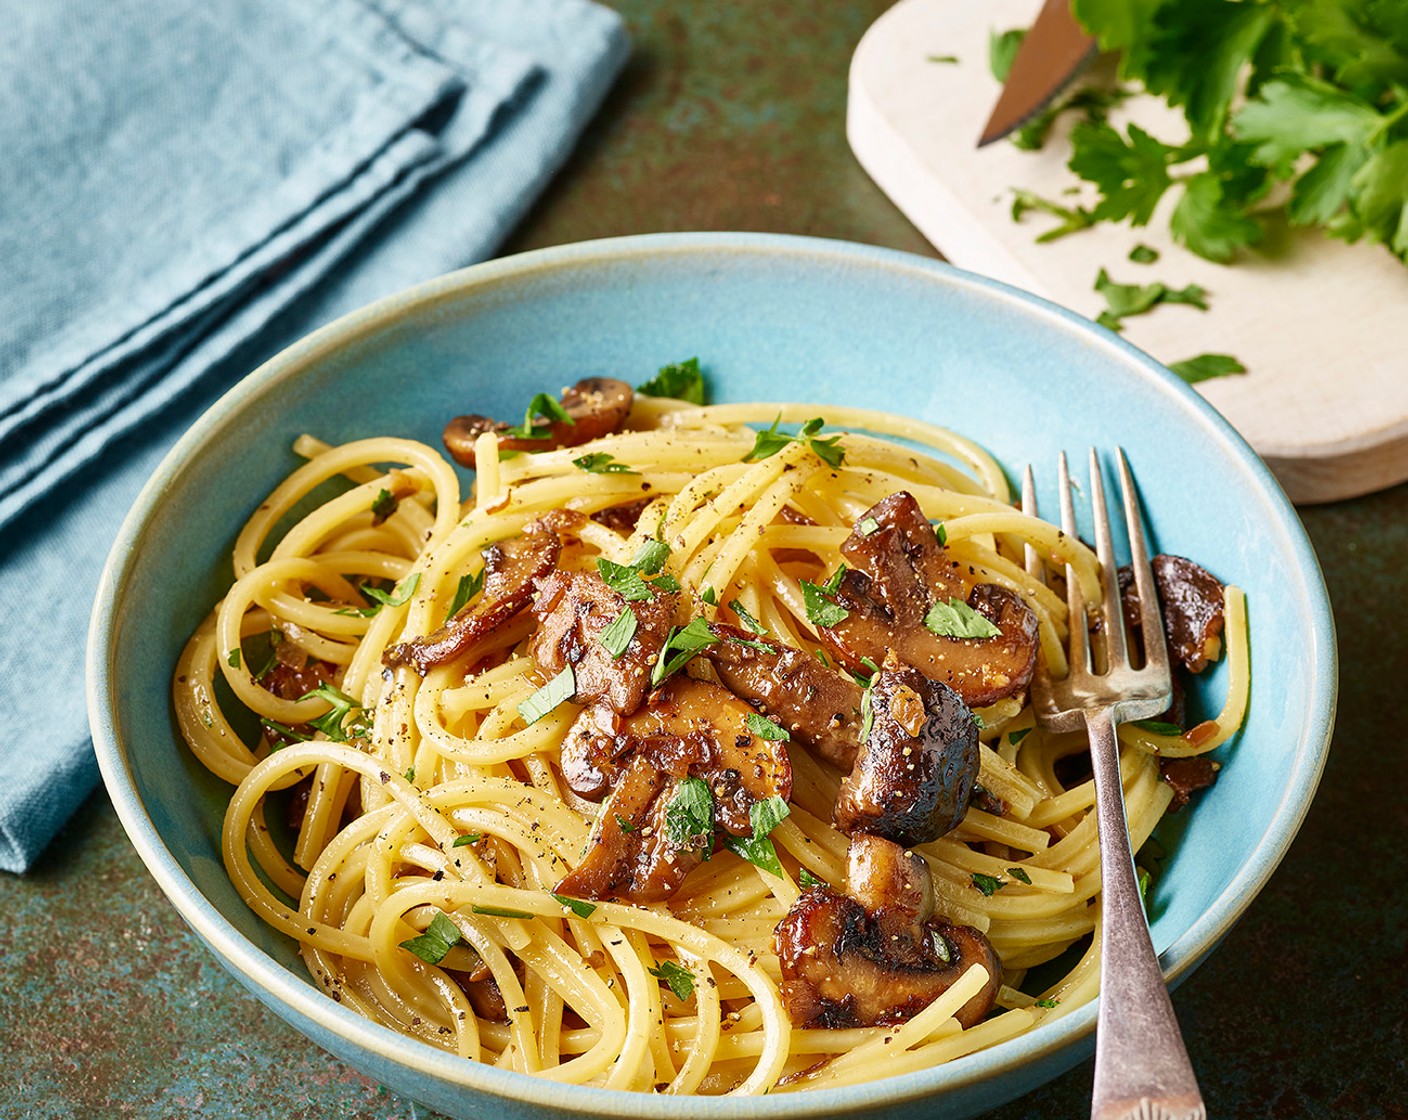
(1141, 1066)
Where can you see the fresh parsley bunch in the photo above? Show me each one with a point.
(1296, 109)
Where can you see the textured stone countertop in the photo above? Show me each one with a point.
(731, 117)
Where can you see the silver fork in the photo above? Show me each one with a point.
(1141, 1065)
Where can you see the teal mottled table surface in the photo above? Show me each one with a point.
(732, 117)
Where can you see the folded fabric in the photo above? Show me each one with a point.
(187, 189)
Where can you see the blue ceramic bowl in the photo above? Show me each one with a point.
(772, 318)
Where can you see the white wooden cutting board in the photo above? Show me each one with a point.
(1321, 326)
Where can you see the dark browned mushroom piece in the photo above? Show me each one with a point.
(899, 572)
(911, 778)
(510, 570)
(820, 706)
(573, 609)
(915, 771)
(1191, 598)
(1187, 776)
(597, 406)
(688, 729)
(877, 954)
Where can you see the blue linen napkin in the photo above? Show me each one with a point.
(186, 189)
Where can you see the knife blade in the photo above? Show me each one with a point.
(1052, 53)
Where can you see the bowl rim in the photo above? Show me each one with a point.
(262, 974)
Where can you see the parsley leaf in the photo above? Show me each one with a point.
(432, 945)
(822, 610)
(988, 884)
(561, 687)
(1020, 874)
(1073, 218)
(956, 619)
(333, 723)
(758, 849)
(1143, 254)
(1131, 173)
(681, 380)
(467, 839)
(747, 619)
(709, 595)
(382, 598)
(1047, 1003)
(499, 912)
(616, 638)
(549, 410)
(600, 462)
(1204, 366)
(233, 658)
(689, 817)
(1002, 50)
(385, 505)
(808, 880)
(1158, 727)
(1209, 223)
(765, 728)
(677, 978)
(578, 906)
(624, 579)
(683, 643)
(468, 587)
(769, 441)
(650, 558)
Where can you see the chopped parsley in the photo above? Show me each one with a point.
(665, 582)
(765, 728)
(808, 880)
(1020, 874)
(677, 978)
(432, 945)
(624, 579)
(1158, 727)
(681, 380)
(1206, 366)
(560, 688)
(283, 730)
(682, 644)
(822, 608)
(758, 849)
(988, 884)
(600, 462)
(233, 658)
(500, 912)
(580, 907)
(410, 774)
(549, 410)
(467, 839)
(259, 652)
(616, 638)
(1047, 1003)
(747, 619)
(709, 595)
(956, 619)
(1124, 300)
(625, 825)
(1143, 254)
(385, 505)
(689, 817)
(382, 598)
(1015, 737)
(769, 441)
(333, 723)
(651, 557)
(468, 587)
(942, 949)
(941, 534)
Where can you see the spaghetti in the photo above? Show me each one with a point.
(433, 820)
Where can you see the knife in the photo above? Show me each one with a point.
(1052, 53)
